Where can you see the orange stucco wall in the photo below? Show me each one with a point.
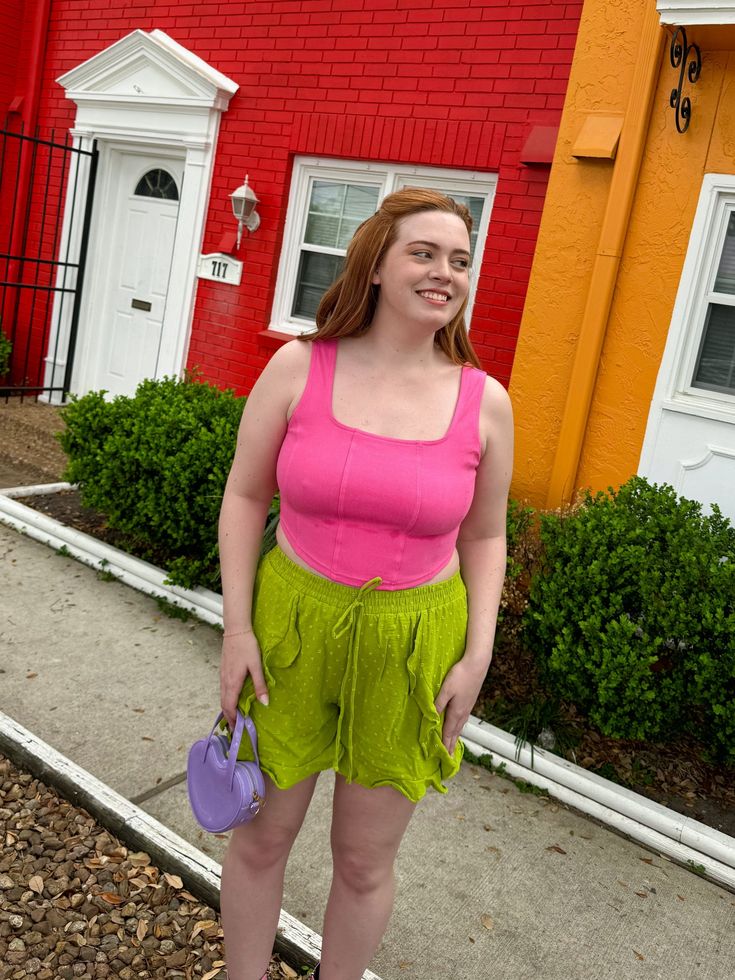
(648, 277)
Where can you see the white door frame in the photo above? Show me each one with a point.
(145, 92)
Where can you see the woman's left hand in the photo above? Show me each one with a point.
(458, 695)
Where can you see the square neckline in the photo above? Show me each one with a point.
(334, 342)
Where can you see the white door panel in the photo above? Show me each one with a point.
(697, 457)
(142, 241)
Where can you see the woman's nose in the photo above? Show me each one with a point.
(441, 269)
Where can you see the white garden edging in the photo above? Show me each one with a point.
(680, 838)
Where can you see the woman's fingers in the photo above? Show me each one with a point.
(240, 658)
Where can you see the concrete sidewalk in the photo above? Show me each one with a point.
(492, 883)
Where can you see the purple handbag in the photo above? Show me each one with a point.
(223, 792)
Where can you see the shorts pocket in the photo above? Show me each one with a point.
(421, 689)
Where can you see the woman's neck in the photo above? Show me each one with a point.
(400, 345)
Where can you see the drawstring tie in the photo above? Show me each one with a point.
(351, 619)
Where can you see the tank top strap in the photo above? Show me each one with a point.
(467, 415)
(317, 395)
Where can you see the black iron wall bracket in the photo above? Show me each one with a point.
(687, 58)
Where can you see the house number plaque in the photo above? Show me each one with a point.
(220, 268)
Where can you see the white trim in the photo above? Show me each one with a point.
(145, 94)
(673, 391)
(686, 12)
(386, 178)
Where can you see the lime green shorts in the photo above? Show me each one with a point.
(352, 676)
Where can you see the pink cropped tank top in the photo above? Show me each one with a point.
(356, 505)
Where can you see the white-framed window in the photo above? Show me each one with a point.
(714, 369)
(705, 379)
(329, 199)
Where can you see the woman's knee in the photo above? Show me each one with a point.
(262, 848)
(361, 869)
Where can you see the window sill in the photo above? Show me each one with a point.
(275, 338)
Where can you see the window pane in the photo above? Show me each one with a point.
(322, 230)
(335, 211)
(316, 273)
(716, 363)
(157, 183)
(725, 281)
(360, 203)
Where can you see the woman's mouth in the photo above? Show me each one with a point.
(434, 297)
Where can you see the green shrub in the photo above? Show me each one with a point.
(6, 349)
(156, 465)
(632, 614)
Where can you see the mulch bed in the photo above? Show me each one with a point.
(675, 774)
(75, 902)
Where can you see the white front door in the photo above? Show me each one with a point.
(145, 207)
(690, 437)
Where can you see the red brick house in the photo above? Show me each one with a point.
(326, 106)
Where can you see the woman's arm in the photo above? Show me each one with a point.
(248, 493)
(482, 554)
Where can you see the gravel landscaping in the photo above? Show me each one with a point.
(75, 902)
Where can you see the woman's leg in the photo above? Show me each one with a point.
(252, 878)
(367, 828)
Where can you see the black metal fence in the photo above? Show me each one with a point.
(46, 194)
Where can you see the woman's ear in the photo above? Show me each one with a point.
(376, 277)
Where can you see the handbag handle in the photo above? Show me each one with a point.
(242, 722)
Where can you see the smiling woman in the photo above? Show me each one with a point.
(360, 643)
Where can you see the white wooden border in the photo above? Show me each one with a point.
(387, 178)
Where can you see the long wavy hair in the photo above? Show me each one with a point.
(347, 308)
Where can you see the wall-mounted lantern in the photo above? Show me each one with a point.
(680, 54)
(243, 207)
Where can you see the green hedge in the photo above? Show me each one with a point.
(632, 614)
(156, 465)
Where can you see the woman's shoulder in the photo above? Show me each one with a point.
(496, 413)
(294, 354)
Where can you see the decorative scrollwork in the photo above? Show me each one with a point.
(685, 57)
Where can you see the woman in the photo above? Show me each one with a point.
(361, 642)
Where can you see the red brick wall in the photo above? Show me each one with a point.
(452, 83)
(11, 19)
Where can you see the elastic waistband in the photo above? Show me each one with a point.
(375, 600)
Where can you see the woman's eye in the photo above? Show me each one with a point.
(423, 255)
(462, 263)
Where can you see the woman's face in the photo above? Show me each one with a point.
(424, 275)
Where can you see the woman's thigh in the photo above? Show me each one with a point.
(268, 838)
(367, 828)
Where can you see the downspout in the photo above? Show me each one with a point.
(41, 10)
(29, 115)
(562, 484)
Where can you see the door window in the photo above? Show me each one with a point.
(157, 183)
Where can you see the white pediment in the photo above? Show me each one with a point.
(688, 12)
(148, 68)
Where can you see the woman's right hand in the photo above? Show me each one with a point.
(240, 659)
